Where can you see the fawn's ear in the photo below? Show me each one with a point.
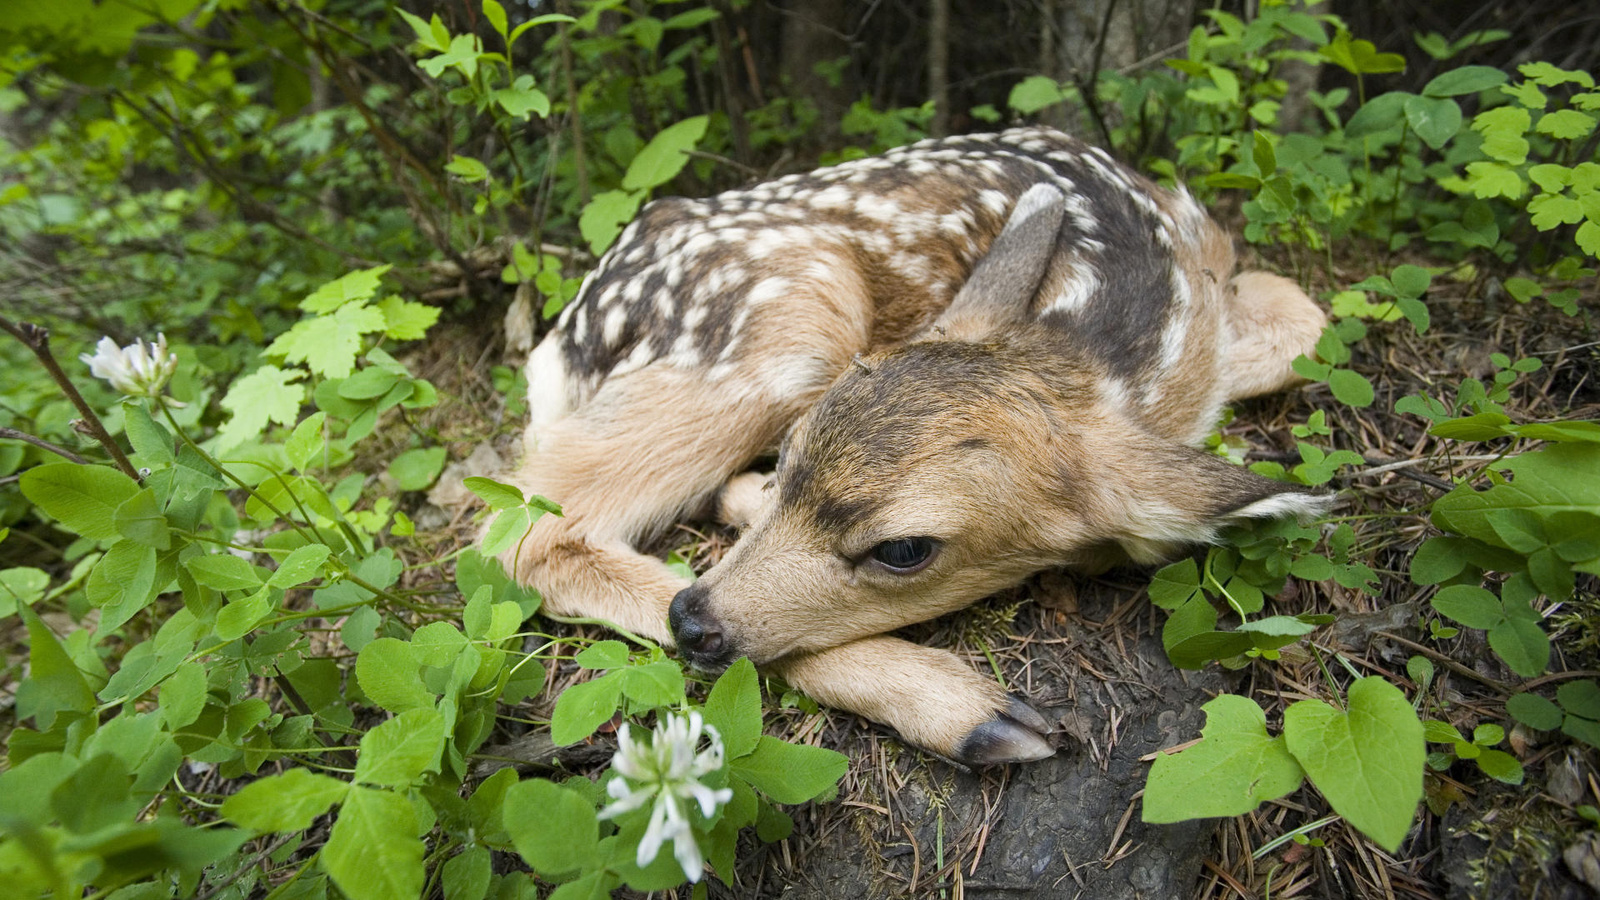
(1004, 281)
(1181, 496)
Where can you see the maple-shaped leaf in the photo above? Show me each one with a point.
(359, 285)
(268, 394)
(405, 320)
(329, 344)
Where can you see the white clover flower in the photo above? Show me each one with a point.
(138, 370)
(667, 769)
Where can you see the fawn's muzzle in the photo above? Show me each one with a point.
(698, 634)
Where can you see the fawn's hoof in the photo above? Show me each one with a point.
(1016, 734)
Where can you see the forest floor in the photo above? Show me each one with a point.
(1084, 651)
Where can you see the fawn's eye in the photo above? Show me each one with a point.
(906, 555)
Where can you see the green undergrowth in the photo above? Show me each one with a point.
(242, 668)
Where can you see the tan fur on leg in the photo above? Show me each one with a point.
(932, 698)
(741, 499)
(1270, 322)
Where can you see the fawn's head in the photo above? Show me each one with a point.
(935, 473)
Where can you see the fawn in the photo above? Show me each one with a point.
(977, 358)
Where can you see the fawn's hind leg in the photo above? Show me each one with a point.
(649, 447)
(1270, 322)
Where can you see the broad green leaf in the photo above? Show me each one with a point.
(151, 441)
(466, 875)
(1367, 761)
(306, 443)
(496, 14)
(1351, 388)
(237, 618)
(300, 566)
(1534, 711)
(358, 285)
(665, 155)
(404, 320)
(1174, 585)
(1561, 477)
(1378, 114)
(224, 572)
(1440, 559)
(1235, 768)
(467, 168)
(1580, 698)
(497, 494)
(122, 583)
(1196, 651)
(387, 671)
(1470, 605)
(1435, 119)
(84, 499)
(21, 586)
(522, 100)
(1411, 281)
(437, 643)
(553, 829)
(1492, 179)
(54, 683)
(1034, 93)
(183, 695)
(1522, 645)
(269, 394)
(1464, 80)
(373, 852)
(329, 344)
(418, 468)
(790, 773)
(654, 684)
(396, 753)
(584, 707)
(1566, 124)
(603, 655)
(602, 219)
(734, 708)
(1500, 765)
(287, 802)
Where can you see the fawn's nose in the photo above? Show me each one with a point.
(699, 635)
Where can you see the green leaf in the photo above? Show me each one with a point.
(1534, 711)
(418, 468)
(665, 155)
(1034, 93)
(1565, 124)
(1470, 605)
(21, 586)
(1236, 767)
(496, 14)
(1500, 765)
(151, 441)
(467, 168)
(356, 286)
(404, 320)
(54, 683)
(603, 217)
(790, 773)
(373, 852)
(223, 572)
(1580, 698)
(497, 494)
(584, 707)
(122, 583)
(466, 875)
(1523, 646)
(287, 802)
(329, 344)
(236, 620)
(1367, 762)
(1411, 281)
(1174, 585)
(1351, 388)
(183, 695)
(387, 671)
(306, 443)
(268, 394)
(1379, 114)
(299, 567)
(603, 655)
(1465, 80)
(84, 499)
(1562, 477)
(1435, 119)
(734, 708)
(553, 829)
(396, 753)
(522, 100)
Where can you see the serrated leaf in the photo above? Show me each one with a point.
(329, 344)
(396, 753)
(287, 802)
(665, 155)
(1367, 761)
(84, 499)
(553, 829)
(1565, 124)
(358, 285)
(373, 852)
(790, 773)
(734, 708)
(404, 320)
(603, 217)
(1236, 767)
(269, 394)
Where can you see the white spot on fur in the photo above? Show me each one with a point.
(1082, 284)
(549, 393)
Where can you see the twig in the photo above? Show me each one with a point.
(37, 339)
(58, 450)
(1445, 661)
